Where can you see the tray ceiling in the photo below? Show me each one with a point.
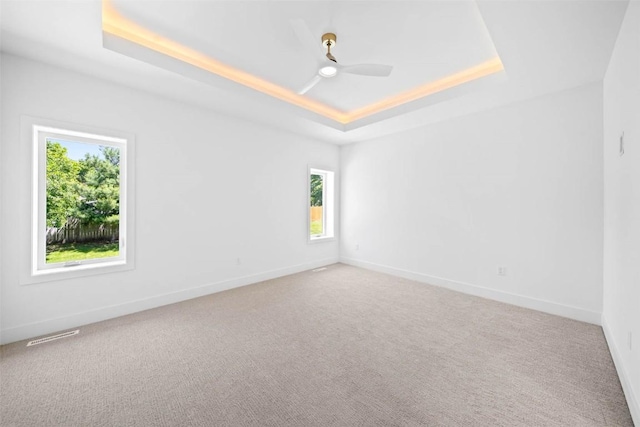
(432, 46)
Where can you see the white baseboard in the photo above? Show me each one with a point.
(36, 329)
(625, 380)
(467, 288)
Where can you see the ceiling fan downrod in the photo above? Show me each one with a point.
(328, 40)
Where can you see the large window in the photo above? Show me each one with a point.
(321, 202)
(80, 216)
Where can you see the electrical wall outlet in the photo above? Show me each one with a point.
(502, 270)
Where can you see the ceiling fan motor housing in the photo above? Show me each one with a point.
(329, 40)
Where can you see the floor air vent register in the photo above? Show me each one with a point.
(53, 337)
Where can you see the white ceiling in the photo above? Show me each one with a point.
(545, 46)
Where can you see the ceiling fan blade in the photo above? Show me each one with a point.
(311, 83)
(307, 40)
(375, 70)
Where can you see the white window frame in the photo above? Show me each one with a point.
(39, 130)
(328, 205)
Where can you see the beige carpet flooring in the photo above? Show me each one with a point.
(341, 347)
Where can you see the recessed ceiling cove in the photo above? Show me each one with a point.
(390, 57)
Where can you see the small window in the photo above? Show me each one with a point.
(321, 202)
(80, 217)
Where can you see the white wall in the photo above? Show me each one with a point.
(209, 189)
(519, 186)
(621, 311)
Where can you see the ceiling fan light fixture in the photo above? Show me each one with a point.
(328, 71)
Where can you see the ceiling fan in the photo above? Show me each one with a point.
(329, 67)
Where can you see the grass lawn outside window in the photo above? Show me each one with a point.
(80, 251)
(316, 227)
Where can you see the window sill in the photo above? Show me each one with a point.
(313, 240)
(76, 272)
